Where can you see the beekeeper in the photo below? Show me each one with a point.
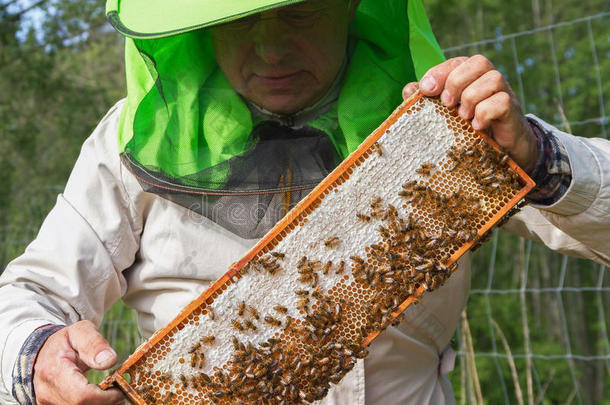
(235, 111)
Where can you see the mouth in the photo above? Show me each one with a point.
(278, 82)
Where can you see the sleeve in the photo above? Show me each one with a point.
(552, 172)
(73, 269)
(578, 223)
(23, 372)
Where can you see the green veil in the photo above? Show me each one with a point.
(181, 114)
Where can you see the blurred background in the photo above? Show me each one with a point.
(536, 327)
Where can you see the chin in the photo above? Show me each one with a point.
(284, 105)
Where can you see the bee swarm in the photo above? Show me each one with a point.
(293, 317)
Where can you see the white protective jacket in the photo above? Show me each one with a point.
(106, 239)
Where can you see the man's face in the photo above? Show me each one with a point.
(285, 59)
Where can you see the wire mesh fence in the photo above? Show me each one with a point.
(536, 327)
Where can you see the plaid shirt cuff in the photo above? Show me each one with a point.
(23, 372)
(553, 173)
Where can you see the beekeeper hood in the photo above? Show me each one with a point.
(189, 136)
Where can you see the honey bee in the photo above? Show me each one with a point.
(221, 377)
(363, 217)
(390, 213)
(327, 267)
(237, 325)
(208, 340)
(254, 313)
(432, 243)
(304, 267)
(149, 398)
(306, 276)
(466, 235)
(273, 321)
(340, 268)
(206, 380)
(288, 324)
(309, 328)
(376, 212)
(301, 293)
(495, 187)
(336, 378)
(303, 304)
(309, 278)
(241, 308)
(315, 265)
(357, 259)
(286, 380)
(332, 242)
(197, 360)
(317, 293)
(168, 397)
(410, 185)
(249, 325)
(184, 381)
(195, 347)
(425, 169)
(164, 377)
(281, 309)
(144, 388)
(361, 354)
(278, 255)
(272, 269)
(270, 266)
(383, 231)
(488, 179)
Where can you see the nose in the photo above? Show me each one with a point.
(271, 40)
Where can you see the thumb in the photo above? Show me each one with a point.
(92, 348)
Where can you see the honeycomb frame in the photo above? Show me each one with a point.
(424, 201)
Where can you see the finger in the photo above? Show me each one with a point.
(482, 88)
(462, 76)
(409, 90)
(92, 348)
(80, 392)
(495, 108)
(94, 395)
(433, 81)
(502, 113)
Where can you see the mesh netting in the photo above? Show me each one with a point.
(249, 193)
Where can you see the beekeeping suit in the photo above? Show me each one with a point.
(182, 177)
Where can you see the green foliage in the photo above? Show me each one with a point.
(52, 94)
(119, 328)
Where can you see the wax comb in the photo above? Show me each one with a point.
(292, 317)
